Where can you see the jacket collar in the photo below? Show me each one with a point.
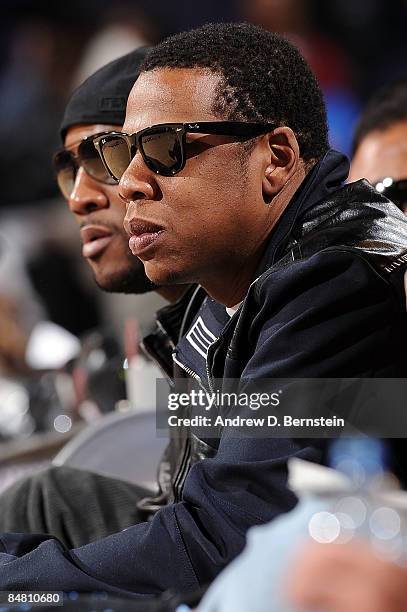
(326, 176)
(170, 317)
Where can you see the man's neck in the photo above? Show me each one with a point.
(173, 293)
(230, 287)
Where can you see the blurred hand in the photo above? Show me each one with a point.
(346, 578)
(13, 340)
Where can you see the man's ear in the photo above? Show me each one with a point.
(281, 161)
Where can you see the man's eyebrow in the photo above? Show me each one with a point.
(73, 144)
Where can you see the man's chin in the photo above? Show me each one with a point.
(131, 282)
(164, 276)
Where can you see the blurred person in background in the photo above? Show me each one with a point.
(121, 27)
(29, 87)
(13, 340)
(282, 563)
(380, 144)
(98, 105)
(346, 578)
(20, 308)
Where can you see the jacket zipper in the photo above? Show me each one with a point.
(180, 476)
(186, 369)
(208, 374)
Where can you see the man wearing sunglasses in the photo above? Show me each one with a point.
(380, 144)
(229, 182)
(97, 106)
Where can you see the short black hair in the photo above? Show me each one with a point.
(386, 107)
(263, 78)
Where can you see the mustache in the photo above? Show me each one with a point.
(100, 222)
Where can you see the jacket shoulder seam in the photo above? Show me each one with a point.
(343, 249)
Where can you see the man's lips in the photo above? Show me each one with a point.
(143, 234)
(95, 238)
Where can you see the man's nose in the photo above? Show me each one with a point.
(137, 182)
(87, 195)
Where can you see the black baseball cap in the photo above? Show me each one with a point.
(103, 96)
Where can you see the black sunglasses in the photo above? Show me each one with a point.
(163, 146)
(396, 191)
(66, 166)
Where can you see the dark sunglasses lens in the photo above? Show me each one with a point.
(65, 172)
(162, 151)
(116, 155)
(92, 164)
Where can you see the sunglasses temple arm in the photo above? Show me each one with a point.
(227, 128)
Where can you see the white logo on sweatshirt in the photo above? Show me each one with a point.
(200, 337)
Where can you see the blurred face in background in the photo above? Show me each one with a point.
(99, 213)
(382, 154)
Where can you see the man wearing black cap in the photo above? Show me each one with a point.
(99, 105)
(39, 503)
